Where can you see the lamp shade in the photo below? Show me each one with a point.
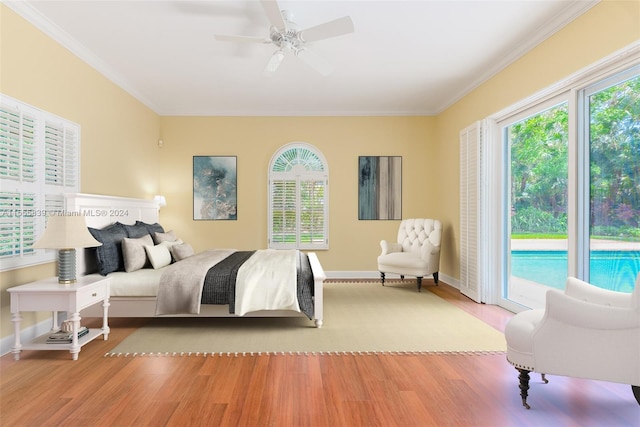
(160, 200)
(66, 232)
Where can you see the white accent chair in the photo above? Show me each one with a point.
(416, 253)
(583, 332)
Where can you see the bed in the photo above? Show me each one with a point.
(138, 293)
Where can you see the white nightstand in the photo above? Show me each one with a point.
(49, 295)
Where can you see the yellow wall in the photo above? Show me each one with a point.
(120, 155)
(601, 31)
(354, 244)
(119, 134)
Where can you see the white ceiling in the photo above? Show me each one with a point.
(404, 58)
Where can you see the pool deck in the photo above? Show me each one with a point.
(561, 245)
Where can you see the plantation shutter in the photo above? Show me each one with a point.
(312, 215)
(39, 162)
(18, 172)
(298, 205)
(61, 163)
(284, 212)
(472, 186)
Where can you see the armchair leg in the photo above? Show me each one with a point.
(524, 386)
(419, 280)
(435, 277)
(382, 277)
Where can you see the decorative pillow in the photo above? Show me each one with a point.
(152, 228)
(169, 236)
(136, 230)
(159, 255)
(109, 255)
(135, 256)
(181, 251)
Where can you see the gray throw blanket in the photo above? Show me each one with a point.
(180, 288)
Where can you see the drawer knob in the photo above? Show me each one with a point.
(94, 294)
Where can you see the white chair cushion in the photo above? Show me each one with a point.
(403, 260)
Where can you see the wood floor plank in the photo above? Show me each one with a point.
(429, 389)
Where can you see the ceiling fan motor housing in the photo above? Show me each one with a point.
(289, 37)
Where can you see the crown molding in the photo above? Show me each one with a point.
(572, 11)
(42, 23)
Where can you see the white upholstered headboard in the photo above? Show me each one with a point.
(100, 211)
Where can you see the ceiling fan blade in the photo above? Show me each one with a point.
(241, 39)
(314, 61)
(274, 62)
(272, 9)
(334, 28)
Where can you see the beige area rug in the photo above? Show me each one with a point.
(358, 317)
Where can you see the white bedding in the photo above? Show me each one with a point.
(140, 283)
(267, 281)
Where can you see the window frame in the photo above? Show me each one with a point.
(620, 63)
(291, 166)
(25, 204)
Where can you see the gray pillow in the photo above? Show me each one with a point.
(134, 254)
(181, 251)
(136, 230)
(109, 255)
(169, 236)
(152, 228)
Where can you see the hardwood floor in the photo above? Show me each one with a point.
(46, 388)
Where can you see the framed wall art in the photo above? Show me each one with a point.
(380, 187)
(215, 188)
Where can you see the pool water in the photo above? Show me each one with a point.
(614, 270)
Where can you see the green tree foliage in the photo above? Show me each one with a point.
(539, 150)
(615, 156)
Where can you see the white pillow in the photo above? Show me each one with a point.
(159, 255)
(133, 252)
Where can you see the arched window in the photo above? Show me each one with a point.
(298, 198)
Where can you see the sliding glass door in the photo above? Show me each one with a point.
(612, 123)
(537, 169)
(571, 191)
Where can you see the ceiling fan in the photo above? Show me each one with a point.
(286, 35)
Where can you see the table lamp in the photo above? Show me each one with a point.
(65, 233)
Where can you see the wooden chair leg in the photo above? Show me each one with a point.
(435, 277)
(524, 386)
(419, 280)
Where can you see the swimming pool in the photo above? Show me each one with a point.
(615, 270)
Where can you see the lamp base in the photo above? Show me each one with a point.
(67, 266)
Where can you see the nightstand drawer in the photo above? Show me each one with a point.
(87, 297)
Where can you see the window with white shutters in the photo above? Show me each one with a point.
(39, 162)
(298, 198)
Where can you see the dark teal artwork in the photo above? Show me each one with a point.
(215, 188)
(380, 187)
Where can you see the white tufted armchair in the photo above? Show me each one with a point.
(583, 332)
(416, 253)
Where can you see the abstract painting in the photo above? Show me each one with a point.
(380, 187)
(215, 188)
